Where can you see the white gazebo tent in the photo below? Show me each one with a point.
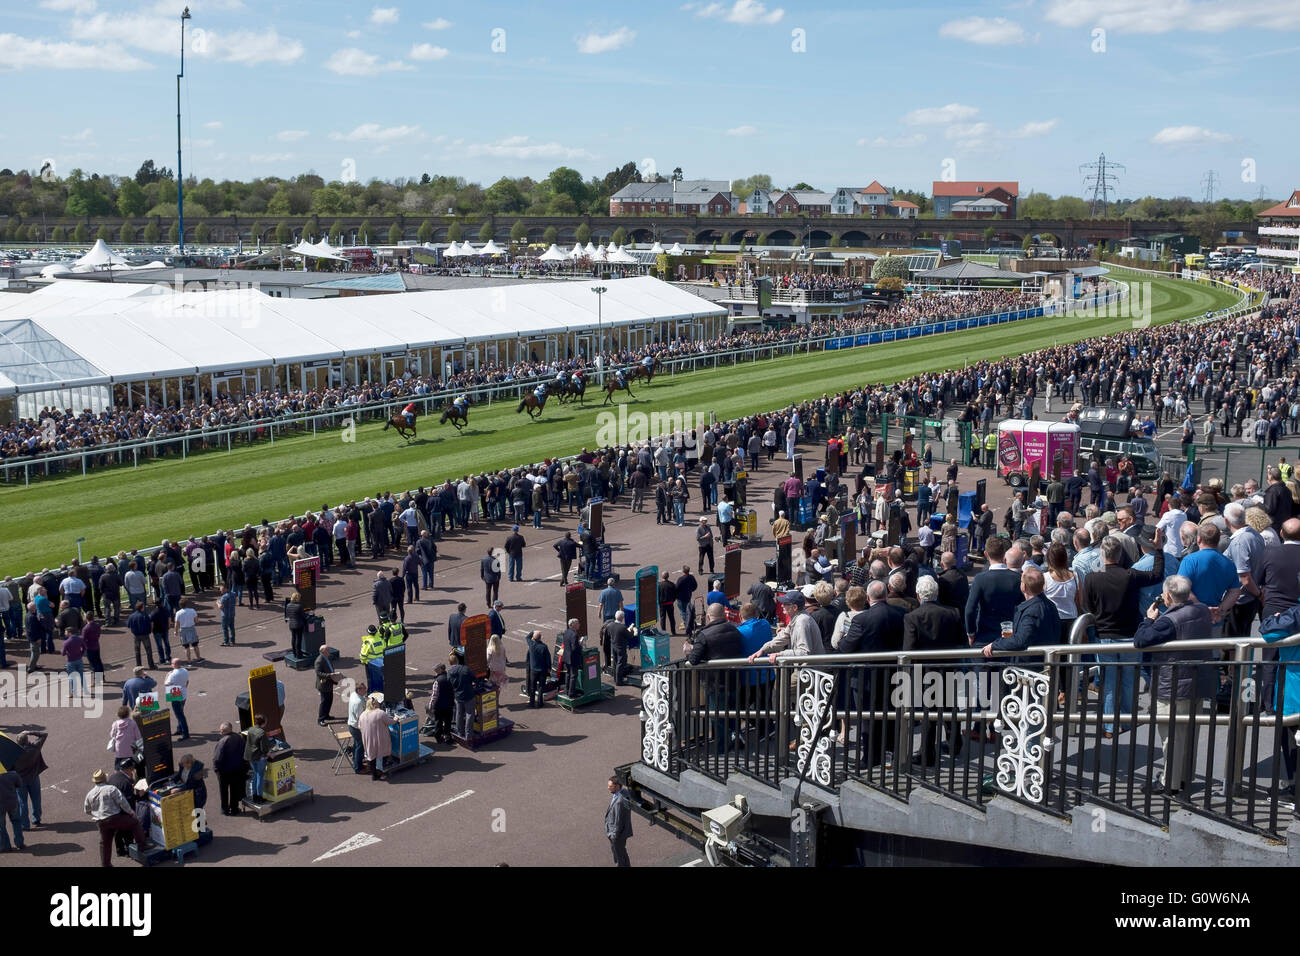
(100, 257)
(676, 250)
(452, 251)
(590, 249)
(490, 249)
(576, 252)
(553, 254)
(657, 249)
(622, 258)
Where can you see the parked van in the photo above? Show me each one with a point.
(1148, 462)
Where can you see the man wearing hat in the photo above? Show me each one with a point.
(800, 637)
(109, 809)
(373, 645)
(514, 548)
(704, 541)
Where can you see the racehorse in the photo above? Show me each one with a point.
(641, 371)
(398, 420)
(531, 402)
(452, 413)
(573, 388)
(613, 385)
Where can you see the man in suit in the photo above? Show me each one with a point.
(618, 822)
(953, 586)
(453, 625)
(993, 596)
(934, 626)
(572, 648)
(616, 636)
(878, 628)
(489, 569)
(325, 678)
(1035, 621)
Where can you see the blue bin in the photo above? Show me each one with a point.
(936, 522)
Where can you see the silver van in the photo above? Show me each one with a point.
(1148, 462)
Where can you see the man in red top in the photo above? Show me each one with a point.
(409, 412)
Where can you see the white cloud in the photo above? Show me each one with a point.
(439, 24)
(384, 15)
(605, 42)
(427, 51)
(1163, 16)
(745, 12)
(270, 157)
(84, 136)
(940, 115)
(157, 34)
(353, 62)
(374, 133)
(969, 135)
(742, 131)
(64, 6)
(519, 147)
(897, 142)
(1035, 128)
(22, 53)
(1189, 136)
(352, 34)
(291, 135)
(997, 31)
(212, 124)
(203, 143)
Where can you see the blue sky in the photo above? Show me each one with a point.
(830, 93)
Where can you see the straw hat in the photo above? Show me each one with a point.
(99, 777)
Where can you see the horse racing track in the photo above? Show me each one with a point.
(171, 498)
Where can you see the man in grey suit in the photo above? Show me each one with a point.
(618, 822)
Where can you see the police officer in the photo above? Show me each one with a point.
(372, 656)
(990, 449)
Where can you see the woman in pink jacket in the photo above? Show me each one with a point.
(122, 737)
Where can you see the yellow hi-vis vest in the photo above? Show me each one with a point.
(372, 647)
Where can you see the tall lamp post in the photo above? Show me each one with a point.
(180, 178)
(600, 291)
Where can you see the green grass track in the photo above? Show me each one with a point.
(125, 507)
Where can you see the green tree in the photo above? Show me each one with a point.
(485, 231)
(890, 284)
(364, 233)
(336, 232)
(761, 240)
(564, 181)
(582, 234)
(202, 232)
(394, 234)
(518, 232)
(127, 233)
(86, 197)
(1027, 243)
(80, 232)
(283, 233)
(620, 236)
(455, 232)
(551, 236)
(890, 266)
(59, 234)
(130, 198)
(504, 195)
(174, 233)
(835, 240)
(149, 173)
(150, 234)
(104, 234)
(255, 231)
(989, 233)
(425, 233)
(746, 185)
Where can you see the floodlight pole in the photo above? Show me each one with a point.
(180, 178)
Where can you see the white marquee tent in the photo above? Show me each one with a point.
(70, 342)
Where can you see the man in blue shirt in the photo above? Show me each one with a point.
(1214, 578)
(610, 600)
(715, 595)
(756, 682)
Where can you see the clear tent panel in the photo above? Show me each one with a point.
(29, 354)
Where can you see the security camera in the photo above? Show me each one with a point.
(725, 824)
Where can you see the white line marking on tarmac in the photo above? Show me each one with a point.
(348, 845)
(460, 796)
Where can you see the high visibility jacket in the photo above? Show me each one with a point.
(990, 441)
(396, 635)
(1286, 470)
(372, 647)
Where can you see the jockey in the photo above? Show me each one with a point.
(562, 377)
(621, 378)
(462, 405)
(540, 392)
(409, 413)
(648, 361)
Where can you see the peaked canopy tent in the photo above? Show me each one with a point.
(100, 256)
(965, 274)
(317, 250)
(71, 348)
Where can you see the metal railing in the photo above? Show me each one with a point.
(1022, 725)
